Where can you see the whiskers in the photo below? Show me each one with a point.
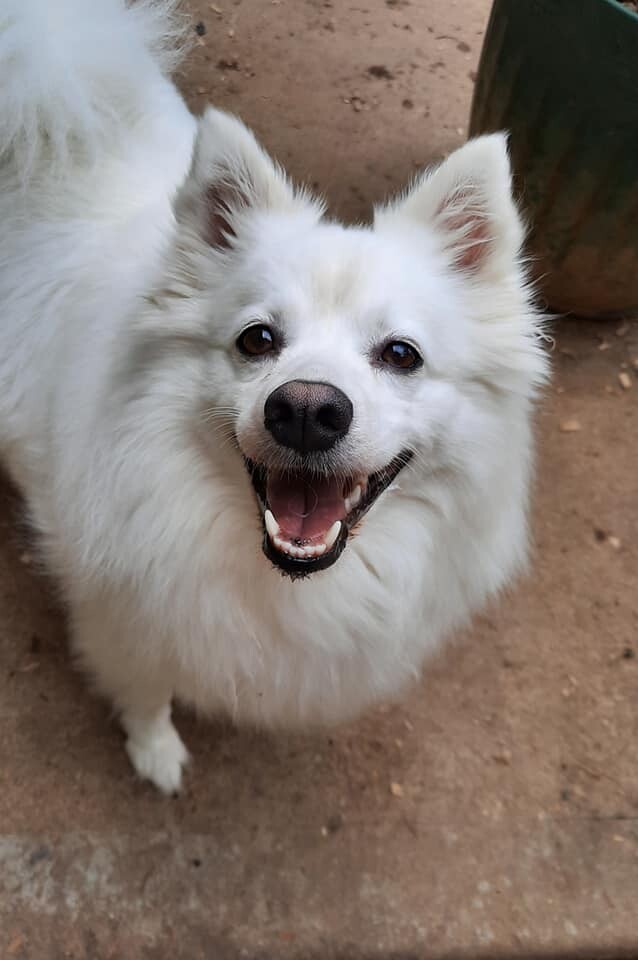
(220, 422)
(420, 459)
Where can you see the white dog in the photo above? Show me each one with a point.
(271, 459)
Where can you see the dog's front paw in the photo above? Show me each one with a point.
(160, 758)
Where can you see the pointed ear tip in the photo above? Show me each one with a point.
(220, 121)
(224, 140)
(489, 148)
(213, 126)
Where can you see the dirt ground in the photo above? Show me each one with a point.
(494, 813)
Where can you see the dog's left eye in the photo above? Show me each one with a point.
(401, 355)
(256, 341)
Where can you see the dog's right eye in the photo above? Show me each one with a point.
(257, 340)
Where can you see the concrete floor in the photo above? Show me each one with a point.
(512, 826)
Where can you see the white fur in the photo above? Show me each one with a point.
(121, 391)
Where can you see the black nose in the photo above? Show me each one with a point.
(307, 416)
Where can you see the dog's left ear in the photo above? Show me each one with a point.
(467, 204)
(231, 177)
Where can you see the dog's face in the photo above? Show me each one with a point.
(328, 378)
(344, 357)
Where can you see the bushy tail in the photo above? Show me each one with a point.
(71, 70)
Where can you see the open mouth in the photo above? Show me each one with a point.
(308, 517)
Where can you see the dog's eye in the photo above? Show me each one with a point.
(401, 355)
(256, 341)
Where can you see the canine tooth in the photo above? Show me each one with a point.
(332, 534)
(271, 524)
(353, 499)
(319, 549)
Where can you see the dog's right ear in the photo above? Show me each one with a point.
(231, 177)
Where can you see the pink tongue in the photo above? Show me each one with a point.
(305, 509)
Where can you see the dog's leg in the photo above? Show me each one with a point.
(140, 691)
(154, 746)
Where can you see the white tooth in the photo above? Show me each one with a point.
(332, 534)
(271, 524)
(353, 499)
(319, 549)
(282, 545)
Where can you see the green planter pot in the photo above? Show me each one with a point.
(562, 77)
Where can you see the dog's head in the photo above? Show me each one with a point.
(341, 360)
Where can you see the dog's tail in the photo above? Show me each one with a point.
(72, 70)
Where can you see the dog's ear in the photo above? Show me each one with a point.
(467, 203)
(231, 177)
